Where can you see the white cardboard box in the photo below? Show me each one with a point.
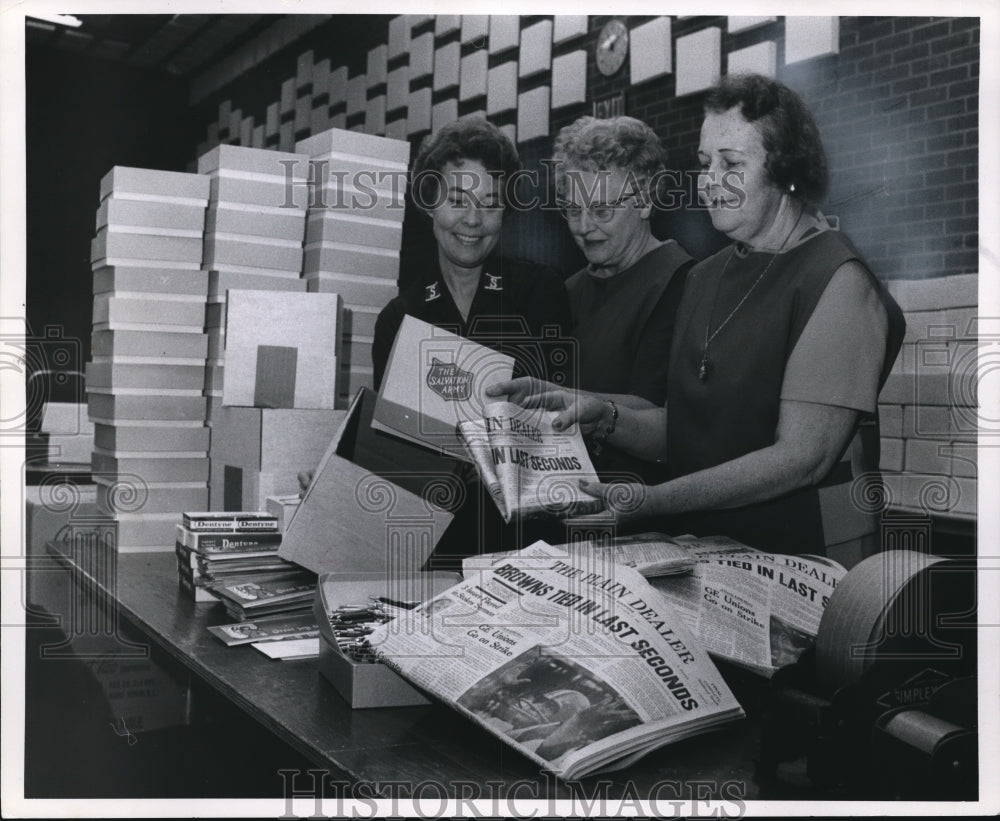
(113, 243)
(149, 214)
(370, 684)
(368, 507)
(145, 310)
(277, 223)
(146, 181)
(149, 343)
(282, 349)
(146, 407)
(259, 452)
(281, 164)
(152, 280)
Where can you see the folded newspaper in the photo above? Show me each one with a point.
(756, 609)
(530, 469)
(652, 554)
(575, 661)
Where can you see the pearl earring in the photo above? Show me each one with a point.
(791, 188)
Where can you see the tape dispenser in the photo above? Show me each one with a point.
(884, 705)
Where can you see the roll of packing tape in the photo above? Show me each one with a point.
(920, 730)
(886, 595)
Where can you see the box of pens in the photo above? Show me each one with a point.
(348, 607)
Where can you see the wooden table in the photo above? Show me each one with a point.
(386, 751)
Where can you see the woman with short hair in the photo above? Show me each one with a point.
(784, 339)
(462, 180)
(624, 302)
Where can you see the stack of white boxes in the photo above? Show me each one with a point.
(66, 434)
(353, 236)
(144, 383)
(276, 415)
(928, 413)
(253, 234)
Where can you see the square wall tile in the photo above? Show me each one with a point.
(809, 37)
(473, 75)
(533, 114)
(396, 129)
(536, 49)
(447, 23)
(699, 60)
(320, 121)
(338, 85)
(304, 69)
(443, 113)
(505, 30)
(758, 59)
(651, 49)
(475, 27)
(421, 55)
(399, 36)
(378, 59)
(356, 88)
(419, 116)
(447, 60)
(398, 88)
(746, 23)
(501, 88)
(566, 26)
(287, 100)
(375, 115)
(569, 79)
(321, 78)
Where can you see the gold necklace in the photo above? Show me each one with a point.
(704, 368)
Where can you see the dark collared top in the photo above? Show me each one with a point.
(518, 308)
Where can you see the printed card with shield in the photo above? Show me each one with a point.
(434, 381)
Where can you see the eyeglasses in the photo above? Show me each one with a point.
(600, 212)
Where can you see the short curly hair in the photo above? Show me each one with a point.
(468, 138)
(625, 143)
(795, 154)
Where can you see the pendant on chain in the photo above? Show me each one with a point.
(703, 370)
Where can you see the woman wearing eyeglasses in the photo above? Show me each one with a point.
(624, 302)
(783, 340)
(461, 179)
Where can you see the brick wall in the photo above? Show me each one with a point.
(897, 106)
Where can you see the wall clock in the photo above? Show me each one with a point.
(612, 47)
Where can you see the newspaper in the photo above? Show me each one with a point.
(755, 609)
(652, 554)
(580, 665)
(529, 468)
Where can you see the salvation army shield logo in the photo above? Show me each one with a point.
(449, 381)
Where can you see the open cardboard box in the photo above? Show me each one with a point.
(372, 516)
(376, 503)
(369, 684)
